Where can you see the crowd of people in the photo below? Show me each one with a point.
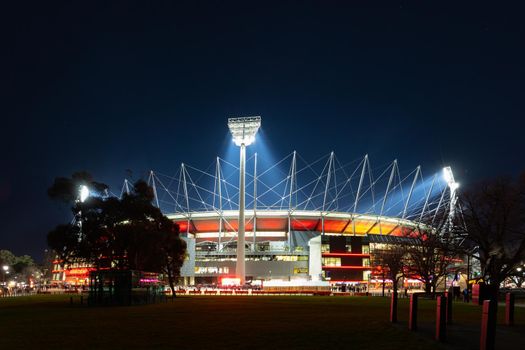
(6, 291)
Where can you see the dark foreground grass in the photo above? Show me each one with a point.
(49, 322)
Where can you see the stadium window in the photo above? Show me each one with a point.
(331, 261)
(366, 249)
(286, 257)
(325, 248)
(349, 248)
(299, 270)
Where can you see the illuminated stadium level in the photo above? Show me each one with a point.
(314, 221)
(287, 245)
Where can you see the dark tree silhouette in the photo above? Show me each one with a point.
(392, 260)
(126, 233)
(434, 247)
(494, 214)
(174, 253)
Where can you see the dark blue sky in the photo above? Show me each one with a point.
(110, 86)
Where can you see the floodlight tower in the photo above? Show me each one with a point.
(243, 131)
(453, 186)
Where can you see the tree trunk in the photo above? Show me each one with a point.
(393, 306)
(172, 286)
(394, 285)
(428, 288)
(171, 281)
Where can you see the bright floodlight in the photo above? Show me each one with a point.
(5, 267)
(447, 175)
(84, 193)
(449, 178)
(244, 129)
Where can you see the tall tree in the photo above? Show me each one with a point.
(435, 244)
(126, 233)
(391, 258)
(494, 214)
(174, 253)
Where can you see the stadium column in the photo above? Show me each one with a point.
(240, 266)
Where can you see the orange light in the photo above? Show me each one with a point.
(357, 255)
(333, 226)
(304, 224)
(78, 271)
(272, 224)
(230, 281)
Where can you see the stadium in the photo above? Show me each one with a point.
(292, 223)
(302, 223)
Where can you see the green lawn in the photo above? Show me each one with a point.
(210, 322)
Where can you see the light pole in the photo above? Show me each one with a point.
(243, 131)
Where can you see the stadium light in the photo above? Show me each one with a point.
(447, 174)
(449, 178)
(453, 186)
(243, 131)
(84, 193)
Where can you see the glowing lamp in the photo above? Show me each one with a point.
(449, 178)
(244, 129)
(84, 193)
(447, 175)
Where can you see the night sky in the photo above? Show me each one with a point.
(111, 86)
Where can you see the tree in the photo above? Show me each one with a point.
(391, 258)
(7, 258)
(435, 244)
(125, 233)
(494, 213)
(21, 267)
(174, 253)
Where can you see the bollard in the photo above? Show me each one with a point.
(393, 308)
(441, 319)
(412, 318)
(509, 309)
(450, 297)
(484, 343)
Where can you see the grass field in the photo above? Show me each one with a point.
(229, 322)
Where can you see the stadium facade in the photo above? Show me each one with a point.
(285, 245)
(304, 222)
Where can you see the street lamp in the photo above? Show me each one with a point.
(243, 131)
